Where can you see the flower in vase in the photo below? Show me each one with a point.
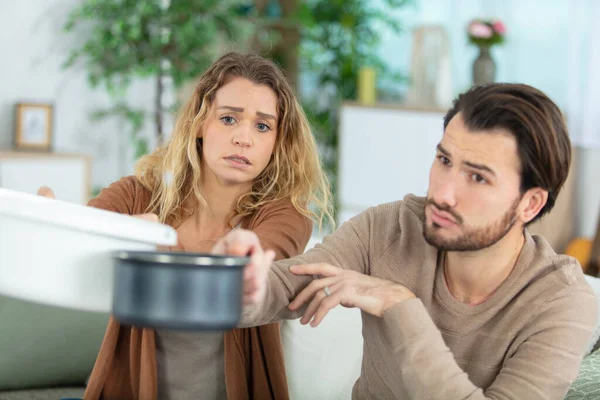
(499, 27)
(486, 33)
(480, 31)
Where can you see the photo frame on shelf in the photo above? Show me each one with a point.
(33, 126)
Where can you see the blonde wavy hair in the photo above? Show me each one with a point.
(294, 172)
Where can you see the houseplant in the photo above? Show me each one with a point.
(485, 34)
(338, 38)
(168, 41)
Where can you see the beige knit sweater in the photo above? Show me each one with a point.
(525, 342)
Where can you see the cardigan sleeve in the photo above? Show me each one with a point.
(125, 196)
(281, 228)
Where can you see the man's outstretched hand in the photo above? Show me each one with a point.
(241, 242)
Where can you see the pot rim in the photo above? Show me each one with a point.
(182, 259)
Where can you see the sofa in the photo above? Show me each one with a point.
(48, 352)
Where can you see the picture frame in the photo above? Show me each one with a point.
(33, 126)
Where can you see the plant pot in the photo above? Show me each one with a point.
(484, 67)
(289, 7)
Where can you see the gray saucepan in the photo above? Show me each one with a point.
(170, 290)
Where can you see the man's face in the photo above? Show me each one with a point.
(473, 197)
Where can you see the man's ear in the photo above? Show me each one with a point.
(532, 203)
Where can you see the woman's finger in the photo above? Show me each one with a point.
(45, 191)
(147, 217)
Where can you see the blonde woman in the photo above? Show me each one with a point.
(241, 154)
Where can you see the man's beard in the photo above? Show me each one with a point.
(470, 239)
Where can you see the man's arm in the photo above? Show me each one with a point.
(542, 367)
(269, 291)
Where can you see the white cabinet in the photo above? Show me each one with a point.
(385, 152)
(67, 174)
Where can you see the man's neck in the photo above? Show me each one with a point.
(473, 277)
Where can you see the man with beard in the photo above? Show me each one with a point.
(458, 299)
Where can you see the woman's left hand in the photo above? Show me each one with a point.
(347, 288)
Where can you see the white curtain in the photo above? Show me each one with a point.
(583, 107)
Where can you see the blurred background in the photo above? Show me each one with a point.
(88, 86)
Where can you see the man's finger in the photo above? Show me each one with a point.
(312, 308)
(270, 257)
(250, 286)
(239, 249)
(243, 243)
(326, 305)
(315, 269)
(311, 290)
(238, 242)
(219, 247)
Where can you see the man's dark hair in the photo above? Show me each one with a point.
(536, 122)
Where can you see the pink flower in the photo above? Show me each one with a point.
(499, 27)
(480, 30)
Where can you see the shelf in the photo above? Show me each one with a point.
(395, 106)
(7, 153)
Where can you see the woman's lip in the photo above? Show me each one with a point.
(239, 157)
(236, 163)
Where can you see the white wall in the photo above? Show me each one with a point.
(32, 49)
(588, 191)
(535, 52)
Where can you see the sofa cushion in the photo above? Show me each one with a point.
(587, 384)
(323, 362)
(45, 346)
(44, 394)
(594, 341)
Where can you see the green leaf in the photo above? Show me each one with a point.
(120, 41)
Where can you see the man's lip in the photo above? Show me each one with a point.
(443, 215)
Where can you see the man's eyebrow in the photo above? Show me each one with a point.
(477, 166)
(442, 150)
(480, 167)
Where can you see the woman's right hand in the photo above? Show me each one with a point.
(45, 191)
